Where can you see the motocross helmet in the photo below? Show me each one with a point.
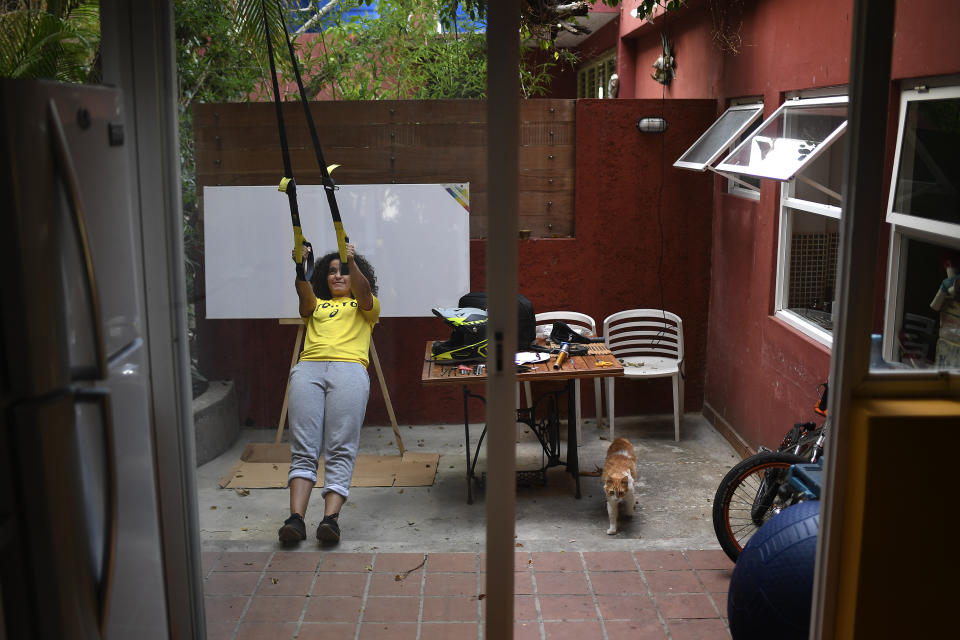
(468, 338)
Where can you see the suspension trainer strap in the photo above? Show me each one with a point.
(328, 185)
(287, 185)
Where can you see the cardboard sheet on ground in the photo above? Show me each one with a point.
(265, 466)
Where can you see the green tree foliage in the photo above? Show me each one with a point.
(55, 40)
(401, 54)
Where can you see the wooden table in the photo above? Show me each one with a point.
(598, 363)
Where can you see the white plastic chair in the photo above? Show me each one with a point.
(574, 319)
(649, 344)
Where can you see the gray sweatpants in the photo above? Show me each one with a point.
(327, 402)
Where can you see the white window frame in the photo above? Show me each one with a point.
(598, 64)
(716, 153)
(788, 202)
(907, 228)
(918, 94)
(780, 175)
(896, 274)
(736, 186)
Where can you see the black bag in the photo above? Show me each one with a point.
(526, 318)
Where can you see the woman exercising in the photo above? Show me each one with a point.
(329, 387)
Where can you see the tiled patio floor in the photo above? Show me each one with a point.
(604, 595)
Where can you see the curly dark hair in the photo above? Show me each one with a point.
(319, 278)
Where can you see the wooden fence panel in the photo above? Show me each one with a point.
(391, 141)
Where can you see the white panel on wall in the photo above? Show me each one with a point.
(416, 236)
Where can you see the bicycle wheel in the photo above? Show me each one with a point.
(751, 493)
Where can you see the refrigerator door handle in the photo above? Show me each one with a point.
(64, 161)
(101, 397)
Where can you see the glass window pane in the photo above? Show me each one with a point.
(926, 321)
(795, 134)
(827, 171)
(719, 136)
(928, 176)
(814, 241)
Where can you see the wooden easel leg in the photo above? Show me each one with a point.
(286, 391)
(386, 395)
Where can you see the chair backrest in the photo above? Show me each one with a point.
(644, 332)
(572, 318)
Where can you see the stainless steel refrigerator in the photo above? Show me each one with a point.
(80, 548)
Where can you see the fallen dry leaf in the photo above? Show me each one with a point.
(242, 492)
(481, 596)
(275, 580)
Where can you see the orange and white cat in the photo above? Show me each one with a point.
(619, 474)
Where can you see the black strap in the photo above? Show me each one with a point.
(288, 185)
(328, 185)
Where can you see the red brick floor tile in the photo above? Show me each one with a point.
(524, 608)
(556, 561)
(450, 584)
(326, 631)
(220, 630)
(346, 562)
(661, 560)
(686, 606)
(714, 629)
(295, 561)
(333, 609)
(242, 561)
(266, 631)
(286, 583)
(452, 562)
(572, 630)
(398, 562)
(673, 582)
(609, 561)
(449, 630)
(568, 608)
(275, 608)
(224, 608)
(650, 629)
(521, 561)
(208, 560)
(230, 583)
(386, 584)
(619, 582)
(340, 584)
(566, 583)
(614, 607)
(715, 580)
(451, 609)
(388, 631)
(709, 559)
(526, 631)
(720, 599)
(391, 609)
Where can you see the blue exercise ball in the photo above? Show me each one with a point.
(771, 588)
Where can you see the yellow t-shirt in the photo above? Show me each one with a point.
(340, 330)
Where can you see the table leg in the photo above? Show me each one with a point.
(573, 461)
(466, 436)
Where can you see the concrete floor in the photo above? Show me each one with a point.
(677, 481)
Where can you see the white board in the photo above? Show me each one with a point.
(416, 236)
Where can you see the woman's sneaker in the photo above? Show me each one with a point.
(293, 529)
(328, 530)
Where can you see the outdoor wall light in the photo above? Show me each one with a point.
(652, 124)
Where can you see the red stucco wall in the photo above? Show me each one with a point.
(761, 375)
(613, 263)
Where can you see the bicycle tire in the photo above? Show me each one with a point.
(739, 507)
